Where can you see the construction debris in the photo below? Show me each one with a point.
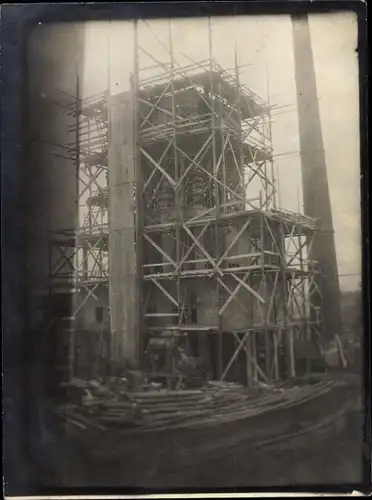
(98, 404)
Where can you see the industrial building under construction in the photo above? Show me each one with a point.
(170, 252)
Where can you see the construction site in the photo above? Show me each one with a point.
(163, 170)
(178, 300)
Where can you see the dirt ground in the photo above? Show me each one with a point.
(324, 460)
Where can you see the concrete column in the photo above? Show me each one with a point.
(122, 230)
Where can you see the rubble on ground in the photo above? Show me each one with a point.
(98, 404)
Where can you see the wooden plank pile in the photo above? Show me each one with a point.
(114, 404)
(167, 408)
(162, 407)
(100, 405)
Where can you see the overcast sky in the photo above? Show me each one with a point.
(264, 43)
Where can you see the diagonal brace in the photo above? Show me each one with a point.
(203, 250)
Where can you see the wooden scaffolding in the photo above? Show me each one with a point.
(232, 273)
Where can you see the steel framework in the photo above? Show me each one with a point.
(229, 270)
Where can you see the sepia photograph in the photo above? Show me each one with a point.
(193, 275)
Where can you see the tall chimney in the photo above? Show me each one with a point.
(54, 61)
(314, 175)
